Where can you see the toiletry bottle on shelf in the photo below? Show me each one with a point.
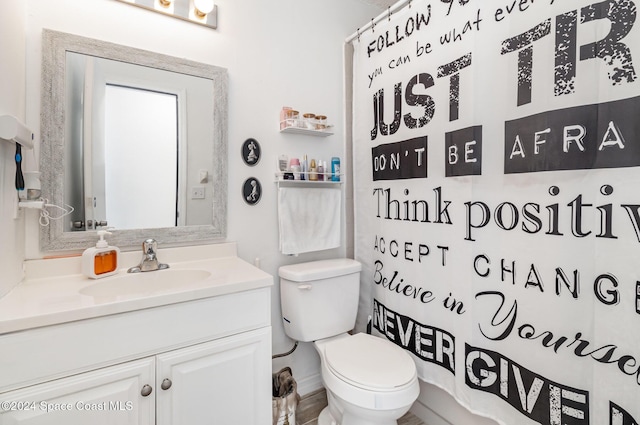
(295, 168)
(320, 171)
(283, 163)
(335, 169)
(284, 115)
(313, 171)
(283, 166)
(305, 169)
(101, 261)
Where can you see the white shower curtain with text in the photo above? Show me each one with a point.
(497, 193)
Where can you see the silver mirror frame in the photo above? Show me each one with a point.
(53, 237)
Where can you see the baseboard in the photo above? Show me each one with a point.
(427, 415)
(309, 384)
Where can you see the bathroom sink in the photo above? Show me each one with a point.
(145, 283)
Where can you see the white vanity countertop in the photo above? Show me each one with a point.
(52, 290)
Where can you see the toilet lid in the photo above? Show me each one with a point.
(369, 362)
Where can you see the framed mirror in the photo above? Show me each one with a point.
(133, 140)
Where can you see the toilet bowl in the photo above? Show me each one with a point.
(369, 380)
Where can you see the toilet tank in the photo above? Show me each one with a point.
(319, 299)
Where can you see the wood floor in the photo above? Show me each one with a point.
(311, 405)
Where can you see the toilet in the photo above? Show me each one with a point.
(369, 380)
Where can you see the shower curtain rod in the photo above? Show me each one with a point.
(385, 15)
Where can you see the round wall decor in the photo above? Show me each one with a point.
(251, 152)
(251, 191)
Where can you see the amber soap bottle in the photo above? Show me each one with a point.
(101, 261)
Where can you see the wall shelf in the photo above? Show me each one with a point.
(308, 183)
(306, 131)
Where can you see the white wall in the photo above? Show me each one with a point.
(12, 65)
(280, 53)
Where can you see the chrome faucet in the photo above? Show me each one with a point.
(149, 261)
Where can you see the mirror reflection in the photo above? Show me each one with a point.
(140, 135)
(134, 141)
(130, 154)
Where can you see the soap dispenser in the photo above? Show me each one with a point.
(101, 261)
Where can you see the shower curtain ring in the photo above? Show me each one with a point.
(389, 13)
(373, 26)
(410, 3)
(358, 32)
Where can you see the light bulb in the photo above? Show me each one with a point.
(202, 7)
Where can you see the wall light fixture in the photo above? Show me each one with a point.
(202, 12)
(203, 7)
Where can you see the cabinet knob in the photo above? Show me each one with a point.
(166, 384)
(146, 390)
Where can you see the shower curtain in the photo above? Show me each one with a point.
(497, 202)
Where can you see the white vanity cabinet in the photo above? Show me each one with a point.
(220, 382)
(109, 395)
(204, 361)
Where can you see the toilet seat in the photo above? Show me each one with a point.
(370, 363)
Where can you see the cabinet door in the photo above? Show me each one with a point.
(222, 382)
(108, 396)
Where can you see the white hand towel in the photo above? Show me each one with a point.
(309, 219)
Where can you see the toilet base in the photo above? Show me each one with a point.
(325, 418)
